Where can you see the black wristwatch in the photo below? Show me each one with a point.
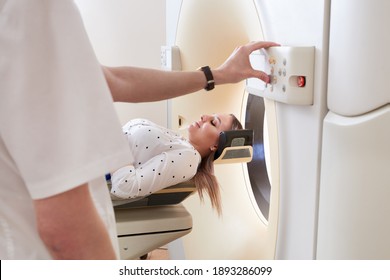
(209, 77)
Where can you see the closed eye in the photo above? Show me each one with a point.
(216, 121)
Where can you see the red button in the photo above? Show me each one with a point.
(301, 81)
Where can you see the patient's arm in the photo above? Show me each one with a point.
(71, 228)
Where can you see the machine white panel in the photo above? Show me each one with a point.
(355, 187)
(359, 56)
(291, 72)
(299, 23)
(207, 33)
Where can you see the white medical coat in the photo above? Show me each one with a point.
(54, 107)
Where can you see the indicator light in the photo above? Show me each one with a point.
(301, 81)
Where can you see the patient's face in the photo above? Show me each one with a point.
(205, 132)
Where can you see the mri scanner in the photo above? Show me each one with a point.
(318, 185)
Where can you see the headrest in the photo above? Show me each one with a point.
(234, 146)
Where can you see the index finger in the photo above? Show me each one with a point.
(253, 46)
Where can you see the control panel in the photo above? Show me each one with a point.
(170, 58)
(291, 73)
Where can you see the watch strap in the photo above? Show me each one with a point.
(209, 77)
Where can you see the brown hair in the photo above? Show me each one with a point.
(205, 180)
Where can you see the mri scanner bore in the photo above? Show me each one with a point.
(257, 168)
(243, 226)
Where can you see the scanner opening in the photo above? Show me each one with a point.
(257, 168)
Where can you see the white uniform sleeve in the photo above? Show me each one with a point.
(164, 170)
(57, 118)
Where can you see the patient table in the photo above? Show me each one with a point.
(153, 221)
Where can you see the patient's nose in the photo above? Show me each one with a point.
(205, 118)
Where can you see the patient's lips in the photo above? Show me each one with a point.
(196, 124)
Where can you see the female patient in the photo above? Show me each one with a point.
(163, 158)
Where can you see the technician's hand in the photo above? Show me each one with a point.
(237, 67)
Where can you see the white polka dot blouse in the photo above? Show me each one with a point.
(160, 158)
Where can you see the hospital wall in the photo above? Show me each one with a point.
(128, 32)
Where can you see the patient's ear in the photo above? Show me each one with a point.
(213, 148)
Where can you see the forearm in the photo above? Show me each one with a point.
(71, 228)
(131, 84)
